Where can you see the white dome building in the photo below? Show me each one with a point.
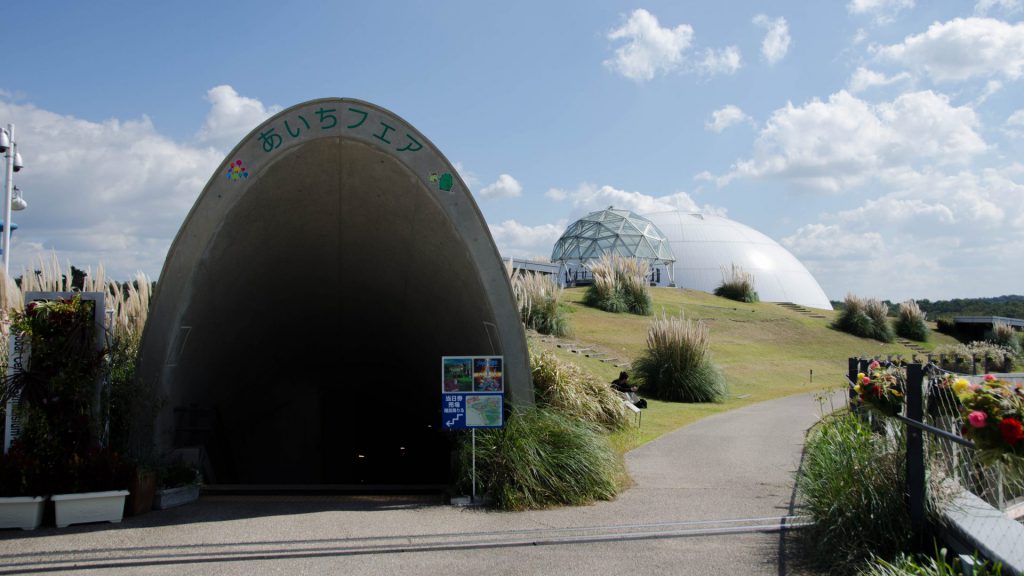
(703, 244)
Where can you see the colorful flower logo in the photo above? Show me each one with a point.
(237, 171)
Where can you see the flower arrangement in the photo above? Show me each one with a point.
(943, 395)
(881, 388)
(993, 413)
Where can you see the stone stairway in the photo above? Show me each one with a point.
(911, 344)
(801, 310)
(585, 350)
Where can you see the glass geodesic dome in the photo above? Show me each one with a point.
(613, 232)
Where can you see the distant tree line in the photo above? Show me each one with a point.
(1011, 306)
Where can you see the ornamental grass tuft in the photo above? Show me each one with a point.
(851, 484)
(865, 318)
(542, 458)
(538, 298)
(677, 365)
(620, 285)
(910, 323)
(566, 388)
(737, 284)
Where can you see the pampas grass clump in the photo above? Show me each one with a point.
(564, 387)
(677, 364)
(737, 285)
(538, 298)
(910, 322)
(620, 285)
(1004, 335)
(865, 318)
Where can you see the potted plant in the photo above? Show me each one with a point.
(142, 489)
(96, 489)
(179, 485)
(21, 506)
(55, 387)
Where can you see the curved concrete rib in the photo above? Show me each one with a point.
(298, 325)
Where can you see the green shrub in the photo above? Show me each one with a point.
(957, 357)
(538, 299)
(566, 388)
(542, 458)
(865, 318)
(737, 285)
(936, 565)
(851, 484)
(677, 364)
(620, 285)
(910, 322)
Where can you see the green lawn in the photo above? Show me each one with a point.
(766, 351)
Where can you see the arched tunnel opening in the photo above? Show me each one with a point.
(307, 349)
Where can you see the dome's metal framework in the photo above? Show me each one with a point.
(613, 232)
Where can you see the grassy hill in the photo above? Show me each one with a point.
(765, 350)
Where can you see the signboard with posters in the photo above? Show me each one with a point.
(472, 392)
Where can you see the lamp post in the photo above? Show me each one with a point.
(12, 164)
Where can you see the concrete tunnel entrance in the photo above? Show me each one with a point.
(299, 323)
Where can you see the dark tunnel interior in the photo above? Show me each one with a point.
(317, 323)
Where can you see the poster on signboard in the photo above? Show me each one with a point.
(483, 410)
(457, 374)
(487, 375)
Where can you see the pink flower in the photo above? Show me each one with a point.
(866, 380)
(977, 418)
(874, 365)
(990, 378)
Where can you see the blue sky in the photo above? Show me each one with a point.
(879, 141)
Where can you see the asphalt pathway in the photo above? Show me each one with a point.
(708, 498)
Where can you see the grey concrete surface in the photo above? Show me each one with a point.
(733, 466)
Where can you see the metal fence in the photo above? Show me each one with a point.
(939, 458)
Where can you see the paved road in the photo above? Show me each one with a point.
(733, 468)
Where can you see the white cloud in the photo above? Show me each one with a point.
(231, 117)
(839, 144)
(864, 78)
(469, 178)
(112, 192)
(982, 7)
(522, 241)
(883, 11)
(991, 87)
(649, 49)
(832, 241)
(1015, 124)
(725, 117)
(776, 39)
(722, 61)
(962, 49)
(505, 187)
(927, 233)
(589, 198)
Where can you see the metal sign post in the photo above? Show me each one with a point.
(472, 396)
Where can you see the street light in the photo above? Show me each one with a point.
(12, 194)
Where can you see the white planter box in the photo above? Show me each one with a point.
(25, 512)
(89, 507)
(171, 497)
